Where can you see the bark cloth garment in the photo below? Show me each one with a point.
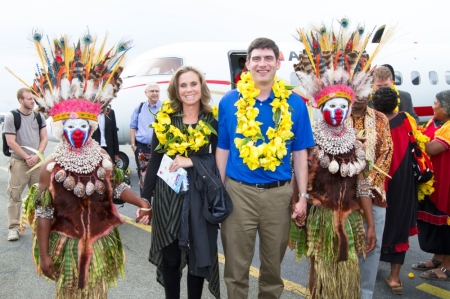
(335, 232)
(167, 206)
(84, 241)
(434, 211)
(401, 196)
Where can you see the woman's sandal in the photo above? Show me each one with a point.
(397, 290)
(423, 267)
(431, 275)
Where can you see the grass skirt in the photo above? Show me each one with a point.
(106, 263)
(333, 279)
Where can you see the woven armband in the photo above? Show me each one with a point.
(46, 212)
(119, 189)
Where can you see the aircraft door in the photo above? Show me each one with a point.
(236, 60)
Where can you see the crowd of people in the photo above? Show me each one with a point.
(341, 190)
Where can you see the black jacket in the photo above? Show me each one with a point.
(206, 204)
(407, 105)
(111, 139)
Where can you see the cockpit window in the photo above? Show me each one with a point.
(155, 66)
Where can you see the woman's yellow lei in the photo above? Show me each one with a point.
(266, 155)
(427, 187)
(172, 140)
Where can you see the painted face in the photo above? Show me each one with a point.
(335, 111)
(76, 132)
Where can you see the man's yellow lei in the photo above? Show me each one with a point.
(266, 155)
(172, 140)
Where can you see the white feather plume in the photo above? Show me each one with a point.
(341, 76)
(41, 102)
(309, 83)
(108, 92)
(90, 90)
(65, 88)
(49, 99)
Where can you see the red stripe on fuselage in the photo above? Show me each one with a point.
(221, 82)
(424, 110)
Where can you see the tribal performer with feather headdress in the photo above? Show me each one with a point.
(77, 242)
(333, 70)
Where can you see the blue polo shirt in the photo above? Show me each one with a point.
(236, 168)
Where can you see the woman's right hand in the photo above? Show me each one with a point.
(46, 265)
(143, 217)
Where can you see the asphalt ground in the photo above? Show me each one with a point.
(18, 277)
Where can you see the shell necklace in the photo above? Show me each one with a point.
(335, 141)
(81, 160)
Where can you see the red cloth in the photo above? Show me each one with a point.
(441, 162)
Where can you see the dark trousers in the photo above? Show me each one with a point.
(171, 273)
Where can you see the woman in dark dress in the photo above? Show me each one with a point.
(401, 190)
(188, 115)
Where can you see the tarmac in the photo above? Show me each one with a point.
(18, 277)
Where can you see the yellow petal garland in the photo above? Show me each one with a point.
(266, 155)
(427, 187)
(172, 140)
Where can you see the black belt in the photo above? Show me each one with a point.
(144, 144)
(264, 185)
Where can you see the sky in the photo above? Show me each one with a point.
(153, 23)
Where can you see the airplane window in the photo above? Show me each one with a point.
(415, 78)
(433, 77)
(447, 77)
(156, 66)
(398, 78)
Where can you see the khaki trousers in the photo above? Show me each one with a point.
(266, 211)
(18, 179)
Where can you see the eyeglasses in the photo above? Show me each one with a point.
(151, 91)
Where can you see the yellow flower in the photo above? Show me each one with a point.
(252, 113)
(166, 107)
(163, 118)
(245, 151)
(162, 138)
(271, 133)
(158, 127)
(251, 162)
(215, 111)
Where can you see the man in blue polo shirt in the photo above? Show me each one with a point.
(143, 116)
(261, 191)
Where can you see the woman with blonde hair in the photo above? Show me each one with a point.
(185, 130)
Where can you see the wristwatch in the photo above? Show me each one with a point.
(305, 195)
(133, 144)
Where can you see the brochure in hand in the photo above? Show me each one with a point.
(173, 179)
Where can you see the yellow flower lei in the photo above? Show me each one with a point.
(266, 155)
(394, 87)
(172, 140)
(427, 187)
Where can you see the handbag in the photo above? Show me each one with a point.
(421, 163)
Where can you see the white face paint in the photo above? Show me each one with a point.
(335, 111)
(76, 131)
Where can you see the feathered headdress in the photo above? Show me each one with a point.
(335, 63)
(76, 80)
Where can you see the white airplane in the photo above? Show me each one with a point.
(417, 71)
